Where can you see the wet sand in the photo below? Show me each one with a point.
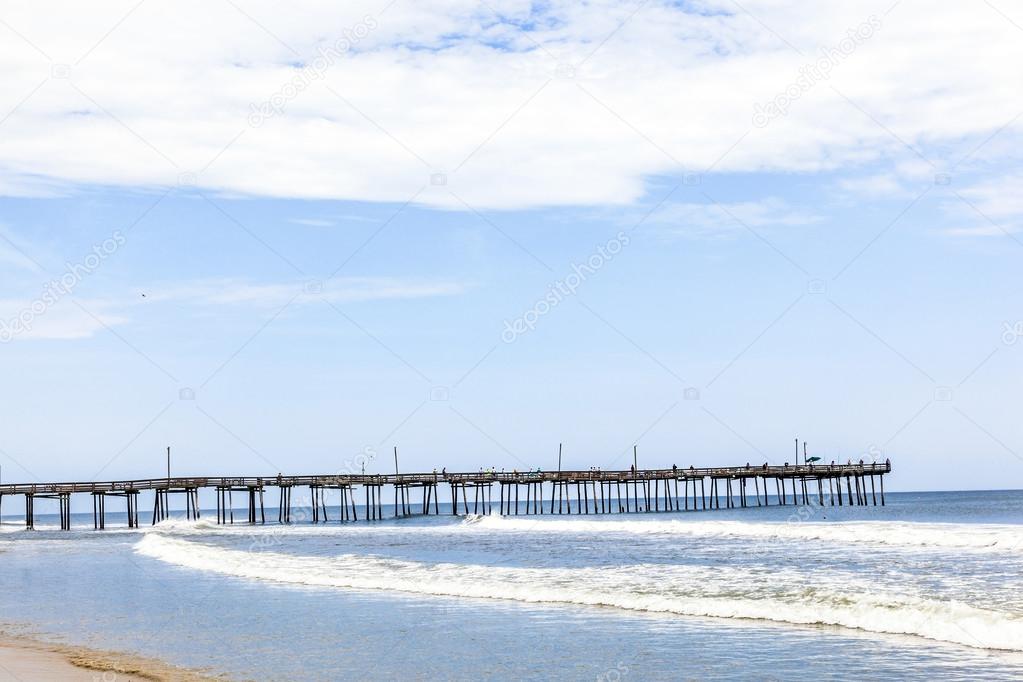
(23, 659)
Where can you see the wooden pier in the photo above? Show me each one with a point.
(519, 493)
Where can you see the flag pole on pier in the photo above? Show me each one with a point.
(168, 462)
(559, 457)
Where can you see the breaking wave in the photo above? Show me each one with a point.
(955, 536)
(779, 595)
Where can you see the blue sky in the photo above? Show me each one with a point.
(339, 278)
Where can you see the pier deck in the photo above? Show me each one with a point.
(593, 491)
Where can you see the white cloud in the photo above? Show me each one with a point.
(992, 208)
(12, 256)
(311, 222)
(49, 317)
(34, 320)
(14, 250)
(1000, 197)
(727, 219)
(227, 292)
(15, 185)
(882, 185)
(980, 231)
(449, 87)
(333, 220)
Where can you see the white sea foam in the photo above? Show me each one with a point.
(186, 525)
(1005, 538)
(955, 536)
(720, 591)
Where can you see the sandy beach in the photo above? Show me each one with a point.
(23, 659)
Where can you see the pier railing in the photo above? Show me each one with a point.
(545, 492)
(427, 478)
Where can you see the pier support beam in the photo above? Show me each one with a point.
(65, 511)
(99, 514)
(606, 490)
(284, 506)
(132, 499)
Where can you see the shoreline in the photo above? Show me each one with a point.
(26, 658)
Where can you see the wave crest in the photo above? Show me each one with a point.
(955, 536)
(720, 592)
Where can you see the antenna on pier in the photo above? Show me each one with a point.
(396, 460)
(559, 458)
(797, 452)
(804, 452)
(168, 462)
(635, 458)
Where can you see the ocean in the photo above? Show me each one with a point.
(929, 585)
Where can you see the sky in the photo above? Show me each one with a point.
(291, 240)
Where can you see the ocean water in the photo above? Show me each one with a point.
(928, 585)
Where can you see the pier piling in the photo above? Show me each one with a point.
(594, 492)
